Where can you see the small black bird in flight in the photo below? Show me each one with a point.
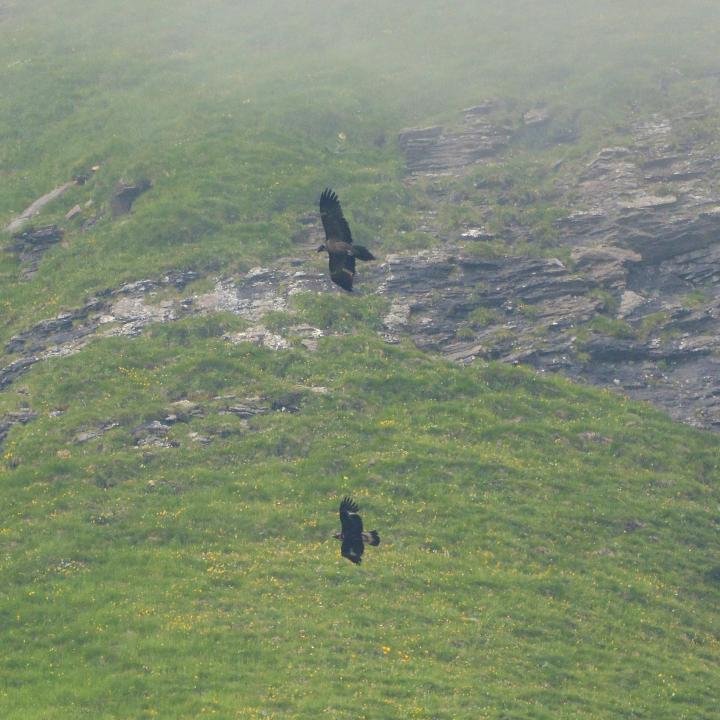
(352, 535)
(338, 242)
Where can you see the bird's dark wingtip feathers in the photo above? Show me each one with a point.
(348, 504)
(362, 253)
(328, 197)
(343, 281)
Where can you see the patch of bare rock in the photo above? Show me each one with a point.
(20, 417)
(30, 245)
(637, 309)
(443, 150)
(34, 208)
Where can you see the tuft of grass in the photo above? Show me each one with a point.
(481, 317)
(340, 313)
(613, 327)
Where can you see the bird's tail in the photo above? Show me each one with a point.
(373, 538)
(362, 253)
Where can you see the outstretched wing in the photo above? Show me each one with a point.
(333, 220)
(342, 269)
(352, 528)
(353, 550)
(350, 521)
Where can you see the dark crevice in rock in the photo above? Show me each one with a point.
(125, 194)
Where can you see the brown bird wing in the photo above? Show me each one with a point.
(342, 269)
(350, 521)
(352, 531)
(333, 220)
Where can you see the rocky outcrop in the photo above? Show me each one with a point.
(305, 335)
(33, 209)
(643, 225)
(440, 296)
(440, 150)
(153, 434)
(125, 194)
(120, 311)
(658, 196)
(86, 435)
(32, 244)
(535, 311)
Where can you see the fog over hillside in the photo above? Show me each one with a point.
(318, 67)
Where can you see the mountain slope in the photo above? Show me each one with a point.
(170, 472)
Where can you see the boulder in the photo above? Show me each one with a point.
(124, 195)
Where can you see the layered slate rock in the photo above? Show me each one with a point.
(535, 311)
(32, 244)
(657, 196)
(441, 150)
(644, 231)
(436, 292)
(116, 311)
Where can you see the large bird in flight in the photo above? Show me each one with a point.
(338, 242)
(352, 535)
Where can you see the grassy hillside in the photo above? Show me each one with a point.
(548, 551)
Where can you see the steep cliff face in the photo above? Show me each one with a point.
(633, 306)
(636, 307)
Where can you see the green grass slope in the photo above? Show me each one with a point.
(548, 551)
